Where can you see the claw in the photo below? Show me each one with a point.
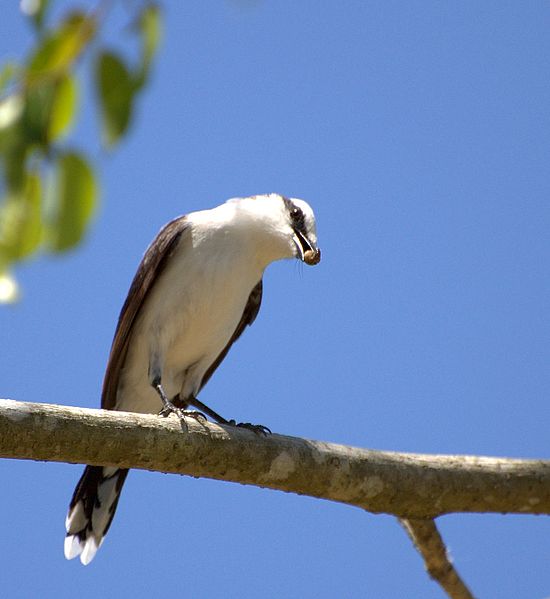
(167, 410)
(196, 415)
(259, 429)
(170, 408)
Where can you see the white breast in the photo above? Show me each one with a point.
(187, 319)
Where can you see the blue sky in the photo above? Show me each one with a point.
(420, 134)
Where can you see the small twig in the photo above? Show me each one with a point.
(427, 540)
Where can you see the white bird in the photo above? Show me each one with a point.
(197, 287)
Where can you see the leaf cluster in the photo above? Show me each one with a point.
(48, 188)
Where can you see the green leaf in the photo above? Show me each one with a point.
(149, 25)
(39, 102)
(6, 74)
(59, 49)
(21, 222)
(116, 93)
(63, 107)
(49, 110)
(75, 196)
(15, 156)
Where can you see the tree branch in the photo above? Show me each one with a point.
(402, 484)
(416, 488)
(426, 538)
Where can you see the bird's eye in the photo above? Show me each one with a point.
(297, 216)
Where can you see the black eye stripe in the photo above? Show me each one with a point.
(296, 215)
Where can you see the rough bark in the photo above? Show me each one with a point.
(416, 488)
(410, 486)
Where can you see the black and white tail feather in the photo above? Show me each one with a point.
(91, 511)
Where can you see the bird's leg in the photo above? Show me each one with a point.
(256, 428)
(208, 411)
(169, 407)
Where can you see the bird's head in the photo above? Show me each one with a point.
(287, 226)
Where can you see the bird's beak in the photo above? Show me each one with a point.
(307, 251)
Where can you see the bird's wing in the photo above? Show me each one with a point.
(150, 268)
(249, 315)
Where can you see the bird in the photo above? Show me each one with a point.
(197, 287)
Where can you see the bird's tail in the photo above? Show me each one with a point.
(92, 510)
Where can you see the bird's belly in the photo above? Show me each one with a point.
(183, 330)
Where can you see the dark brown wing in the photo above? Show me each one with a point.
(249, 315)
(149, 269)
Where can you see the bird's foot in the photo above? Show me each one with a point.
(259, 429)
(196, 415)
(170, 408)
